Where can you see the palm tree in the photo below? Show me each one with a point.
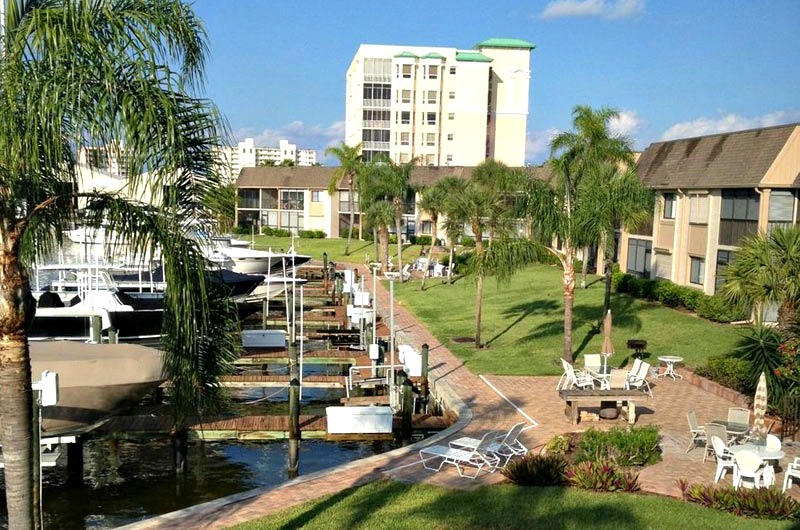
(96, 73)
(553, 207)
(397, 186)
(432, 200)
(484, 204)
(380, 215)
(350, 165)
(766, 270)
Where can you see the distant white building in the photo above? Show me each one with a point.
(440, 106)
(246, 154)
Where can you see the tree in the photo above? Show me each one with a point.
(432, 200)
(222, 201)
(555, 205)
(485, 203)
(89, 73)
(269, 163)
(380, 215)
(396, 184)
(350, 165)
(766, 270)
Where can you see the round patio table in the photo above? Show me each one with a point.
(670, 361)
(733, 428)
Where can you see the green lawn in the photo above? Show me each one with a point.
(523, 323)
(398, 506)
(334, 247)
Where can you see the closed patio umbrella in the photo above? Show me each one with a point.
(608, 347)
(760, 407)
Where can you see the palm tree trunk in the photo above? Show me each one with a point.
(584, 267)
(351, 205)
(17, 308)
(787, 318)
(569, 298)
(383, 234)
(478, 291)
(452, 262)
(398, 225)
(377, 244)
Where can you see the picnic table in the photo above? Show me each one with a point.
(575, 397)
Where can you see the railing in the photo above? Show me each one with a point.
(377, 124)
(377, 78)
(382, 146)
(382, 103)
(388, 370)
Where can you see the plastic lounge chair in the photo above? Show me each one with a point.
(749, 466)
(617, 379)
(575, 378)
(591, 361)
(697, 432)
(639, 381)
(724, 459)
(478, 458)
(714, 429)
(637, 363)
(504, 446)
(739, 415)
(792, 472)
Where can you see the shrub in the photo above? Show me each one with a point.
(635, 447)
(690, 297)
(468, 241)
(717, 309)
(764, 503)
(624, 282)
(602, 476)
(392, 239)
(241, 230)
(727, 371)
(275, 232)
(557, 445)
(667, 293)
(537, 470)
(422, 240)
(642, 288)
(311, 234)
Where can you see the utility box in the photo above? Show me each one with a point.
(359, 420)
(411, 359)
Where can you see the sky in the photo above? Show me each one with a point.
(672, 68)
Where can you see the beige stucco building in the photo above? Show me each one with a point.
(711, 191)
(440, 106)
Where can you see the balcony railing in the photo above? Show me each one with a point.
(377, 124)
(378, 146)
(380, 103)
(377, 78)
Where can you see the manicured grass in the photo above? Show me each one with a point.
(398, 506)
(334, 247)
(523, 323)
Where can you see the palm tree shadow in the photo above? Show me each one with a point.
(522, 311)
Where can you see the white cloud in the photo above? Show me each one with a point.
(537, 145)
(305, 136)
(611, 9)
(727, 123)
(627, 124)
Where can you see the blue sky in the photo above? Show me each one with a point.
(674, 69)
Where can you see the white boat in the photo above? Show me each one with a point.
(250, 261)
(94, 380)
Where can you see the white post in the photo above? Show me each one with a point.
(301, 341)
(391, 338)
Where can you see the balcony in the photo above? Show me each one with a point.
(732, 230)
(375, 146)
(377, 78)
(376, 124)
(379, 103)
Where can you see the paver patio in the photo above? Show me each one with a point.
(481, 409)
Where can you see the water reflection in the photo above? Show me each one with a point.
(126, 481)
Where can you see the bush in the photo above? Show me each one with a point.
(667, 293)
(690, 298)
(642, 288)
(635, 447)
(537, 470)
(275, 232)
(241, 230)
(764, 503)
(311, 234)
(421, 240)
(729, 372)
(717, 309)
(468, 241)
(602, 476)
(558, 445)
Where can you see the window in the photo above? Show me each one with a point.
(452, 95)
(451, 116)
(344, 202)
(374, 91)
(316, 196)
(405, 96)
(430, 139)
(639, 251)
(723, 258)
(432, 97)
(248, 197)
(739, 215)
(698, 270)
(450, 136)
(292, 200)
(404, 138)
(449, 158)
(663, 265)
(430, 118)
(429, 160)
(452, 70)
(781, 208)
(375, 135)
(698, 209)
(669, 206)
(406, 71)
(405, 117)
(403, 158)
(433, 72)
(372, 116)
(426, 227)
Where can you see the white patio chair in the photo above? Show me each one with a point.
(697, 432)
(504, 446)
(724, 459)
(573, 378)
(639, 381)
(750, 467)
(739, 415)
(773, 442)
(792, 472)
(617, 379)
(714, 429)
(637, 363)
(591, 361)
(478, 458)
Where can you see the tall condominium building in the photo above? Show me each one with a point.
(246, 154)
(440, 106)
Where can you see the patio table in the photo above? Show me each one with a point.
(767, 455)
(670, 361)
(600, 374)
(733, 429)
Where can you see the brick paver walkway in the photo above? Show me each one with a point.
(480, 409)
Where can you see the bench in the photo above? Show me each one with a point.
(574, 397)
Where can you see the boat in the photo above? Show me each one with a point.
(95, 381)
(250, 261)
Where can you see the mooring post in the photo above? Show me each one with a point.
(97, 329)
(325, 271)
(337, 292)
(424, 389)
(294, 428)
(75, 462)
(112, 336)
(407, 411)
(264, 312)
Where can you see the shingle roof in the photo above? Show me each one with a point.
(506, 43)
(728, 160)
